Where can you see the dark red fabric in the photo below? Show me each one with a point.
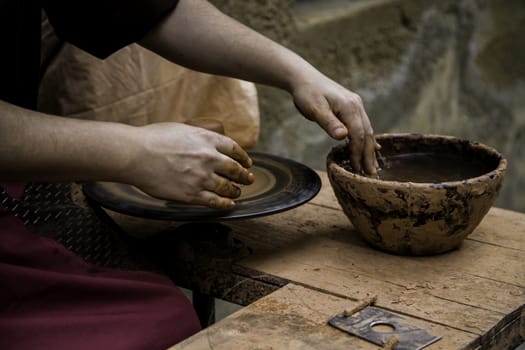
(15, 189)
(52, 299)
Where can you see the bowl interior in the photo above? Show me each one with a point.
(428, 158)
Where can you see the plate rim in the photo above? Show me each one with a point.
(90, 191)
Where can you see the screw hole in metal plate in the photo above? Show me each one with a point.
(362, 325)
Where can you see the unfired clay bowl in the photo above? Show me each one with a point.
(433, 192)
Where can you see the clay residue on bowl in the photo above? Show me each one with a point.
(436, 191)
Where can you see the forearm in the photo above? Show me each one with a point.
(35, 146)
(200, 37)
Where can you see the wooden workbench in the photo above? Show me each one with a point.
(472, 297)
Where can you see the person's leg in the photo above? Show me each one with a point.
(52, 299)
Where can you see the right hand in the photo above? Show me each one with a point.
(189, 164)
(341, 114)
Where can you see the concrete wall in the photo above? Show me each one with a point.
(428, 66)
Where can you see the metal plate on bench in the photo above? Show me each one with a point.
(362, 325)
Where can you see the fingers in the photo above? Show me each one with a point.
(362, 143)
(234, 172)
(234, 163)
(352, 115)
(230, 169)
(212, 200)
(218, 193)
(369, 149)
(343, 115)
(356, 141)
(223, 187)
(369, 156)
(193, 165)
(231, 149)
(321, 112)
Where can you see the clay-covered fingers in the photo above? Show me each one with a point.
(362, 144)
(234, 166)
(370, 146)
(231, 149)
(218, 193)
(233, 171)
(341, 114)
(184, 163)
(223, 187)
(370, 163)
(213, 200)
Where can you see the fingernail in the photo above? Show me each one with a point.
(237, 192)
(339, 132)
(251, 177)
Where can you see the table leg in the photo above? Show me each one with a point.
(205, 307)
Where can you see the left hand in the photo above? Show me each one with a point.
(341, 114)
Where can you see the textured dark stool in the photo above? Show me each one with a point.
(49, 209)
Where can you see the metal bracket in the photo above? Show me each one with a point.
(362, 325)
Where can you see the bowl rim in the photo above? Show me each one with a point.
(499, 170)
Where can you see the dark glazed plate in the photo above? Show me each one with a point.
(280, 184)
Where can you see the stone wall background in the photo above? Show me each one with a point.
(427, 66)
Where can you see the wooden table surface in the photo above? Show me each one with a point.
(473, 297)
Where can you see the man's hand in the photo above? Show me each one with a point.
(169, 160)
(190, 164)
(341, 114)
(189, 36)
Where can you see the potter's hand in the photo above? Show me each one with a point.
(188, 36)
(190, 164)
(341, 114)
(167, 160)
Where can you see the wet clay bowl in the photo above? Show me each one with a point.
(432, 192)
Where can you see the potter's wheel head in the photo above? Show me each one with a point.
(280, 184)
